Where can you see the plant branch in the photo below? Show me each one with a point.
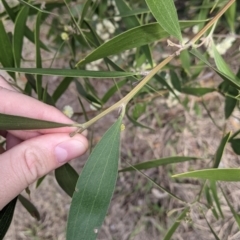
(124, 101)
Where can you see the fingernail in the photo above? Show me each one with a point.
(68, 150)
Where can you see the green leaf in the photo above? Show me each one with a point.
(31, 84)
(138, 110)
(186, 61)
(163, 81)
(230, 15)
(202, 15)
(95, 187)
(233, 81)
(66, 177)
(6, 56)
(39, 181)
(175, 80)
(38, 55)
(29, 207)
(85, 10)
(221, 64)
(90, 98)
(38, 9)
(159, 186)
(10, 12)
(132, 38)
(228, 175)
(113, 90)
(230, 104)
(12, 122)
(211, 229)
(131, 22)
(136, 123)
(132, 12)
(166, 15)
(176, 224)
(28, 33)
(158, 162)
(61, 88)
(236, 216)
(213, 188)
(6, 215)
(199, 92)
(20, 25)
(220, 150)
(69, 72)
(210, 202)
(235, 143)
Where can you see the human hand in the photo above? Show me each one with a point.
(30, 154)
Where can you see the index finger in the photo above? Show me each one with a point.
(15, 103)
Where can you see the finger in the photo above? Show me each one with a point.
(33, 158)
(22, 105)
(11, 141)
(1, 149)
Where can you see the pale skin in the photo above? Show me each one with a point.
(30, 155)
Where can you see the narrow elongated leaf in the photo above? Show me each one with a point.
(130, 39)
(61, 88)
(37, 8)
(231, 95)
(159, 186)
(136, 123)
(90, 98)
(176, 224)
(165, 83)
(12, 122)
(230, 104)
(158, 162)
(210, 202)
(31, 84)
(70, 72)
(166, 15)
(85, 10)
(235, 214)
(131, 22)
(221, 64)
(220, 150)
(175, 80)
(113, 90)
(6, 56)
(29, 207)
(20, 25)
(66, 177)
(6, 215)
(228, 175)
(28, 33)
(233, 81)
(213, 188)
(230, 15)
(186, 61)
(133, 12)
(199, 92)
(38, 55)
(95, 187)
(9, 11)
(235, 143)
(211, 229)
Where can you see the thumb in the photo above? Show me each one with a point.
(26, 162)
